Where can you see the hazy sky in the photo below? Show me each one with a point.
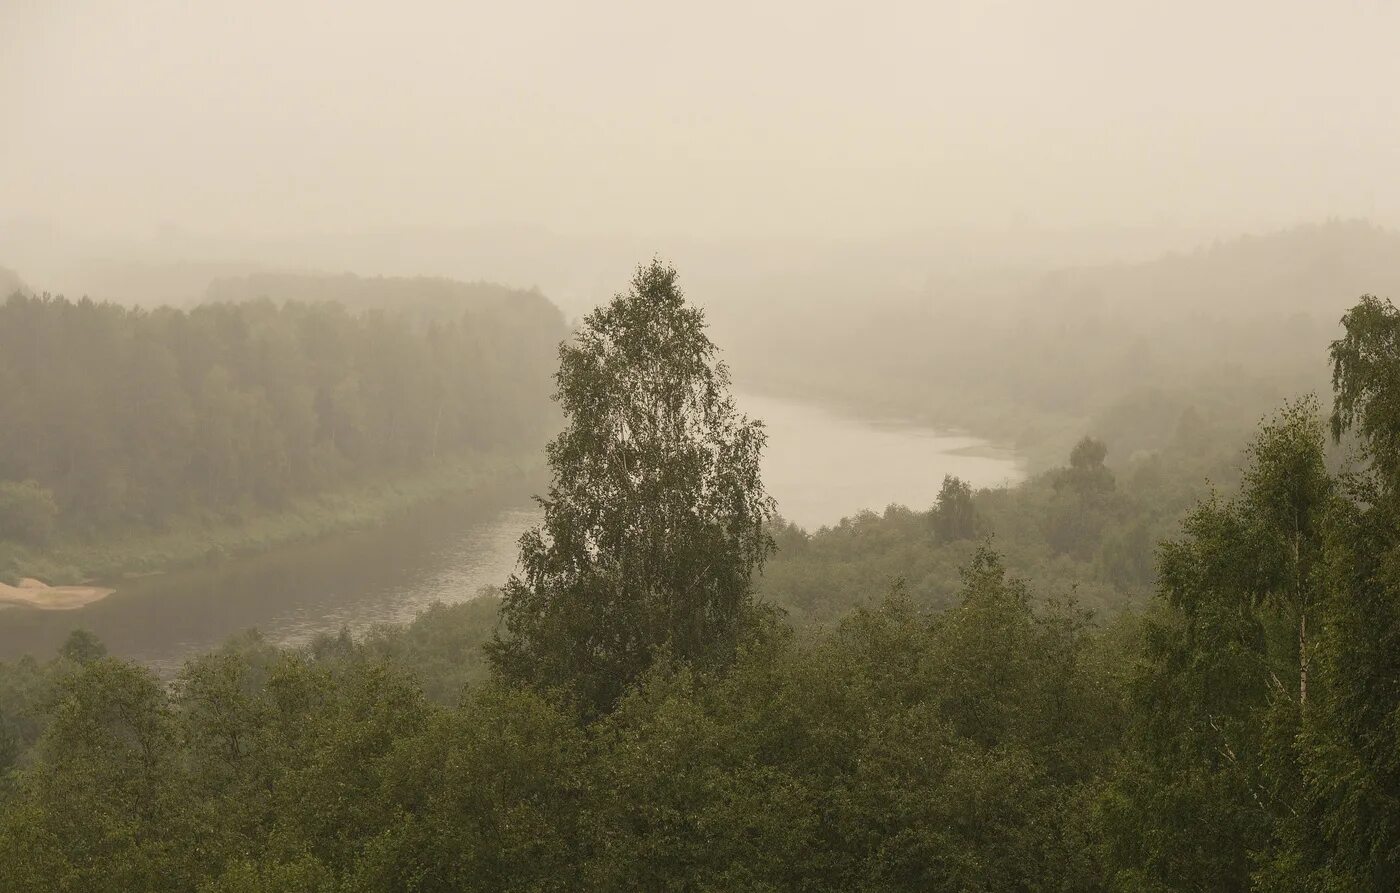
(748, 120)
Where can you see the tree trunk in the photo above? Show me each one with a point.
(1302, 620)
(1302, 659)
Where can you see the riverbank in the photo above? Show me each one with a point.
(208, 539)
(32, 593)
(447, 550)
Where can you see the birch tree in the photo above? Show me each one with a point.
(655, 521)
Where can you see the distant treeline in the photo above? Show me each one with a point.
(422, 299)
(120, 415)
(1123, 352)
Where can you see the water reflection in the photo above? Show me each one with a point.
(445, 552)
(820, 467)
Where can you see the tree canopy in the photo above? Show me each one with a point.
(115, 416)
(655, 520)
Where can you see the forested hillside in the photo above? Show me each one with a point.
(1121, 352)
(642, 720)
(132, 417)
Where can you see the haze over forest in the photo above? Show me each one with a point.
(737, 446)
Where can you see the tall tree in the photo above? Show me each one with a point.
(655, 521)
(1366, 384)
(1083, 497)
(1346, 836)
(1087, 475)
(954, 516)
(1213, 772)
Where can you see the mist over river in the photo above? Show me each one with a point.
(820, 466)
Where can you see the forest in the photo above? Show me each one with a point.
(847, 447)
(1041, 356)
(1110, 678)
(121, 419)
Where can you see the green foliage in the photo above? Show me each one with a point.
(1127, 558)
(1100, 544)
(131, 418)
(1083, 504)
(1344, 835)
(898, 750)
(443, 646)
(1366, 380)
(1214, 777)
(24, 695)
(82, 648)
(27, 512)
(487, 797)
(304, 875)
(655, 519)
(102, 806)
(954, 516)
(1087, 475)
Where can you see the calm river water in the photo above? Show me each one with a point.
(820, 466)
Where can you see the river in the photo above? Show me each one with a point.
(820, 466)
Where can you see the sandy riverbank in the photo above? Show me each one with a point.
(38, 594)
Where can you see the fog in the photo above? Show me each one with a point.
(731, 445)
(555, 143)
